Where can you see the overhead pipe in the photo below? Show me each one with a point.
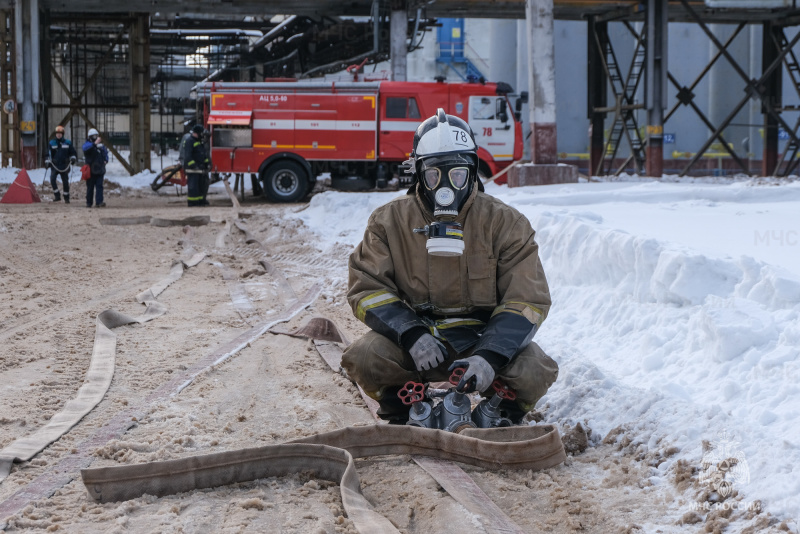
(274, 31)
(375, 12)
(200, 32)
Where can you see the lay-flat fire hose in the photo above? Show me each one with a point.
(330, 456)
(98, 377)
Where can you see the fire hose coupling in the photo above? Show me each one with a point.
(445, 238)
(454, 413)
(487, 413)
(421, 412)
(455, 409)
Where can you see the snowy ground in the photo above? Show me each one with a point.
(674, 322)
(676, 316)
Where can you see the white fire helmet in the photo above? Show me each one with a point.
(445, 162)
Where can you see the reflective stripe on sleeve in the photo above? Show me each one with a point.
(450, 323)
(529, 311)
(373, 300)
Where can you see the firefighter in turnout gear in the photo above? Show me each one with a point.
(61, 154)
(194, 160)
(448, 276)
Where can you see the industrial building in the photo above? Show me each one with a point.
(652, 88)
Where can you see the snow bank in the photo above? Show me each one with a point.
(664, 320)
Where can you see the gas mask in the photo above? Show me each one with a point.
(445, 164)
(446, 184)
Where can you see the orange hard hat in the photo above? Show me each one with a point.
(59, 129)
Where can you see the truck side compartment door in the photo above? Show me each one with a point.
(273, 124)
(315, 125)
(356, 126)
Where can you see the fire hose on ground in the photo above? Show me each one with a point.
(330, 456)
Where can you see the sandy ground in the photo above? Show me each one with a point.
(59, 267)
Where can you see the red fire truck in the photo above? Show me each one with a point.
(288, 133)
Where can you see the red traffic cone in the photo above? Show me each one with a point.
(21, 191)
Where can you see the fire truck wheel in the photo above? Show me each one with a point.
(285, 181)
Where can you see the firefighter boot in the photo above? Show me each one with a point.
(392, 408)
(512, 410)
(57, 196)
(66, 198)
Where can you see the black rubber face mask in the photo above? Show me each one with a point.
(446, 184)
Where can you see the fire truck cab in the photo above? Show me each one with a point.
(288, 133)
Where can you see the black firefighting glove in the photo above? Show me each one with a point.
(477, 368)
(427, 352)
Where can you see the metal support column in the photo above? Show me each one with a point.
(656, 85)
(9, 118)
(771, 96)
(597, 92)
(398, 31)
(542, 81)
(139, 46)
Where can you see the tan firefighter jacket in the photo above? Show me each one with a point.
(495, 294)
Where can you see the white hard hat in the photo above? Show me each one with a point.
(92, 132)
(443, 134)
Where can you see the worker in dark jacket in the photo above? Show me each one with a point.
(96, 156)
(471, 295)
(194, 159)
(61, 154)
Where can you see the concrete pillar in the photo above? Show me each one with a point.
(772, 97)
(656, 85)
(544, 168)
(398, 31)
(542, 81)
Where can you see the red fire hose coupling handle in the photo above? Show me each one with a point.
(503, 391)
(411, 392)
(458, 372)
